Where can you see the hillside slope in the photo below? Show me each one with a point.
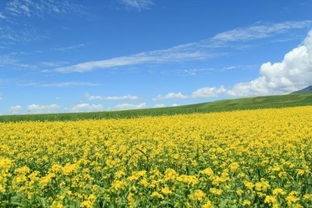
(305, 90)
(277, 101)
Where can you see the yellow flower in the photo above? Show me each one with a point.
(144, 182)
(207, 171)
(57, 204)
(155, 194)
(170, 174)
(166, 191)
(5, 163)
(234, 166)
(46, 179)
(69, 169)
(131, 201)
(208, 204)
(249, 185)
(191, 180)
(86, 204)
(246, 202)
(118, 185)
(216, 191)
(119, 174)
(197, 195)
(270, 200)
(22, 170)
(291, 199)
(278, 191)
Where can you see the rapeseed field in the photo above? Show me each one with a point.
(251, 158)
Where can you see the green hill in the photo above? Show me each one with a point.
(277, 101)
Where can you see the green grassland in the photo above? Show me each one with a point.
(277, 101)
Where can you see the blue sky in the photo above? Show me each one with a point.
(74, 56)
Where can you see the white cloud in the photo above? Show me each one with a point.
(53, 64)
(2, 16)
(208, 92)
(190, 51)
(72, 47)
(61, 84)
(38, 7)
(54, 108)
(160, 56)
(86, 107)
(36, 109)
(126, 106)
(171, 95)
(138, 4)
(294, 72)
(159, 105)
(7, 60)
(39, 109)
(123, 97)
(175, 105)
(260, 31)
(16, 109)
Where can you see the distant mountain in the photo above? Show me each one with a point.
(305, 90)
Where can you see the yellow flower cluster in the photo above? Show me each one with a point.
(251, 158)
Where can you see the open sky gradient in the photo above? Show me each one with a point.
(77, 55)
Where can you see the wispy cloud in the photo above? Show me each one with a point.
(161, 56)
(38, 7)
(200, 50)
(138, 4)
(123, 97)
(68, 48)
(2, 16)
(60, 84)
(260, 31)
(16, 12)
(9, 60)
(53, 63)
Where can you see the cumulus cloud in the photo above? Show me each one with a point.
(35, 109)
(127, 106)
(171, 95)
(294, 72)
(199, 50)
(159, 105)
(208, 92)
(86, 107)
(38, 109)
(15, 109)
(54, 108)
(123, 97)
